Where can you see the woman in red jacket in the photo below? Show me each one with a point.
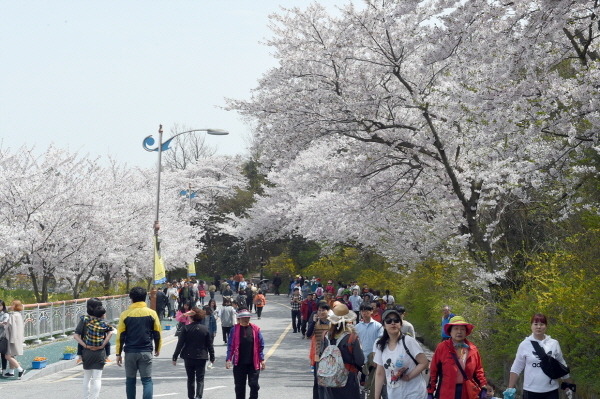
(446, 378)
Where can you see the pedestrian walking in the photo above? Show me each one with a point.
(537, 384)
(369, 332)
(295, 304)
(139, 328)
(161, 303)
(173, 296)
(245, 353)
(195, 346)
(456, 363)
(209, 321)
(277, 283)
(343, 335)
(93, 334)
(259, 301)
(306, 310)
(228, 318)
(318, 327)
(400, 361)
(446, 316)
(4, 316)
(15, 334)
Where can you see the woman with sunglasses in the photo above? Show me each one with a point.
(395, 365)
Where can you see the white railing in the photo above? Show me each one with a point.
(45, 320)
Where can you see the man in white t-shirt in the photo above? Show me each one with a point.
(407, 327)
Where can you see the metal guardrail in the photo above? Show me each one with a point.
(45, 320)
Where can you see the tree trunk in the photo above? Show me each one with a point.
(106, 283)
(36, 290)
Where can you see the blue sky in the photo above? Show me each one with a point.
(99, 76)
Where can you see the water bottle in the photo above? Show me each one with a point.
(399, 361)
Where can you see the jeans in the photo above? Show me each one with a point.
(141, 361)
(195, 369)
(296, 320)
(240, 372)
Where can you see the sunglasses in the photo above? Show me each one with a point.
(390, 321)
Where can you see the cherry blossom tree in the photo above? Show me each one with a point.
(410, 126)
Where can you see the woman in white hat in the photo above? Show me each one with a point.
(342, 334)
(447, 380)
(394, 356)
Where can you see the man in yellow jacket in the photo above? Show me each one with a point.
(138, 327)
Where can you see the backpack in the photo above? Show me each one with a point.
(332, 372)
(259, 302)
(550, 366)
(319, 292)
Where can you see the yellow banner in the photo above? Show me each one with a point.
(191, 269)
(159, 265)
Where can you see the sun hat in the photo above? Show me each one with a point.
(458, 321)
(243, 313)
(341, 314)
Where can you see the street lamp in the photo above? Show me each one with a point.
(163, 146)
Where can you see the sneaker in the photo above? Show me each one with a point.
(8, 375)
(78, 361)
(259, 318)
(108, 360)
(21, 373)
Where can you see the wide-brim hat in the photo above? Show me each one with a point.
(341, 314)
(458, 321)
(243, 313)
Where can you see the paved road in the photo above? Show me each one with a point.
(288, 368)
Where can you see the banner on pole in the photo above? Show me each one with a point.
(159, 264)
(192, 269)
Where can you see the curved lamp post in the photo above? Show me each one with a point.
(163, 146)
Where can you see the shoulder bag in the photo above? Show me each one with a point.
(550, 366)
(469, 385)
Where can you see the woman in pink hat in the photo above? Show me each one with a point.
(245, 353)
(450, 357)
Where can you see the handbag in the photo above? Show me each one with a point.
(3, 345)
(179, 327)
(471, 387)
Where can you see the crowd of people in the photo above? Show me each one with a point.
(360, 343)
(392, 364)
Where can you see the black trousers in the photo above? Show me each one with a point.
(226, 331)
(276, 290)
(194, 369)
(296, 320)
(540, 395)
(259, 310)
(304, 326)
(240, 373)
